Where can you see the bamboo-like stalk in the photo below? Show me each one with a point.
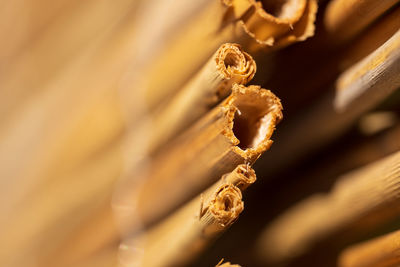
(124, 46)
(243, 70)
(204, 153)
(195, 225)
(237, 131)
(276, 23)
(229, 65)
(360, 200)
(226, 264)
(61, 132)
(242, 21)
(372, 79)
(377, 34)
(346, 18)
(93, 59)
(382, 251)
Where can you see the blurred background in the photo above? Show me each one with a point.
(76, 75)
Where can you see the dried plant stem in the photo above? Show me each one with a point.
(221, 76)
(372, 79)
(226, 264)
(346, 18)
(365, 197)
(275, 24)
(198, 158)
(243, 70)
(377, 34)
(382, 251)
(237, 131)
(242, 21)
(196, 224)
(229, 65)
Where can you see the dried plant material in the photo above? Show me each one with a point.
(196, 159)
(237, 72)
(382, 251)
(372, 79)
(188, 233)
(276, 23)
(229, 65)
(346, 18)
(377, 34)
(243, 21)
(226, 264)
(235, 132)
(360, 200)
(196, 224)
